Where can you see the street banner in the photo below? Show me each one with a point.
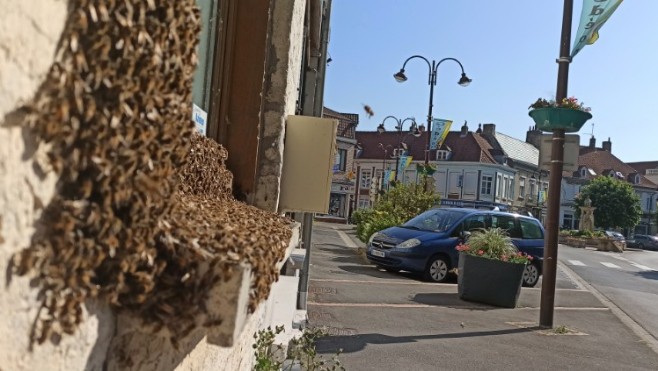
(440, 129)
(387, 176)
(405, 160)
(402, 161)
(592, 17)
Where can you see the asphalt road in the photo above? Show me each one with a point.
(629, 280)
(387, 321)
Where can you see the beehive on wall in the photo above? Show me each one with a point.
(141, 216)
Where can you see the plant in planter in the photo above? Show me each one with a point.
(491, 268)
(568, 114)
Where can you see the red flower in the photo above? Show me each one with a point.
(462, 247)
(480, 252)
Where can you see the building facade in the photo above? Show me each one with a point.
(599, 161)
(467, 173)
(341, 199)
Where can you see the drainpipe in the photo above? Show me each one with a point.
(316, 75)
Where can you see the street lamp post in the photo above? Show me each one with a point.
(385, 149)
(399, 127)
(433, 67)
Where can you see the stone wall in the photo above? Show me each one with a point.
(29, 31)
(279, 98)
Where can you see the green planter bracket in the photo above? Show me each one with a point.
(551, 118)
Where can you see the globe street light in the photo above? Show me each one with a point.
(433, 66)
(399, 127)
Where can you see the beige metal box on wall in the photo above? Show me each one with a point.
(308, 159)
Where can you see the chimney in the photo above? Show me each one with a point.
(592, 142)
(533, 136)
(607, 145)
(464, 131)
(489, 129)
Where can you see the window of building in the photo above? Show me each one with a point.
(522, 187)
(511, 189)
(652, 171)
(201, 84)
(341, 160)
(487, 182)
(366, 178)
(505, 189)
(567, 221)
(442, 155)
(583, 172)
(398, 152)
(364, 203)
(533, 190)
(499, 186)
(409, 176)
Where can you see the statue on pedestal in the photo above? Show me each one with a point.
(587, 216)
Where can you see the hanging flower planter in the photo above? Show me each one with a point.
(570, 120)
(568, 115)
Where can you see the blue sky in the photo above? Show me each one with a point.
(508, 48)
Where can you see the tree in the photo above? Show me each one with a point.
(399, 204)
(617, 204)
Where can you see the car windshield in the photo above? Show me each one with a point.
(437, 220)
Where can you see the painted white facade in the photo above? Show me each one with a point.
(457, 181)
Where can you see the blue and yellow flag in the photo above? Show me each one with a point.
(594, 14)
(440, 129)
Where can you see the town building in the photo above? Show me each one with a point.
(341, 199)
(467, 172)
(530, 184)
(599, 161)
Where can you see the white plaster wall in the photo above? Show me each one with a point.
(29, 31)
(133, 349)
(280, 97)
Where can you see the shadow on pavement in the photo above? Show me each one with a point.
(652, 275)
(373, 271)
(449, 300)
(355, 343)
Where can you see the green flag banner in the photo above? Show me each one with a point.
(592, 17)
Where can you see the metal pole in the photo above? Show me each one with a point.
(318, 75)
(304, 274)
(554, 187)
(397, 164)
(384, 168)
(429, 114)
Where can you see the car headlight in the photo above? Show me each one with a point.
(409, 243)
(372, 237)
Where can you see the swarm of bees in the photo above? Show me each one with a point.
(143, 217)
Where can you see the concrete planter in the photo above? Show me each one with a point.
(489, 281)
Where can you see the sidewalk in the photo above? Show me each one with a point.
(388, 321)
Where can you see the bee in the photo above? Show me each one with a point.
(368, 110)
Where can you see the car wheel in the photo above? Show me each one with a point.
(640, 246)
(530, 275)
(437, 269)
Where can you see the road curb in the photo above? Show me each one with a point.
(642, 333)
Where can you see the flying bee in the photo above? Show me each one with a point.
(368, 110)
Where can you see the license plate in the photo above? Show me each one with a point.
(381, 254)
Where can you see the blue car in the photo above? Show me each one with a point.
(426, 244)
